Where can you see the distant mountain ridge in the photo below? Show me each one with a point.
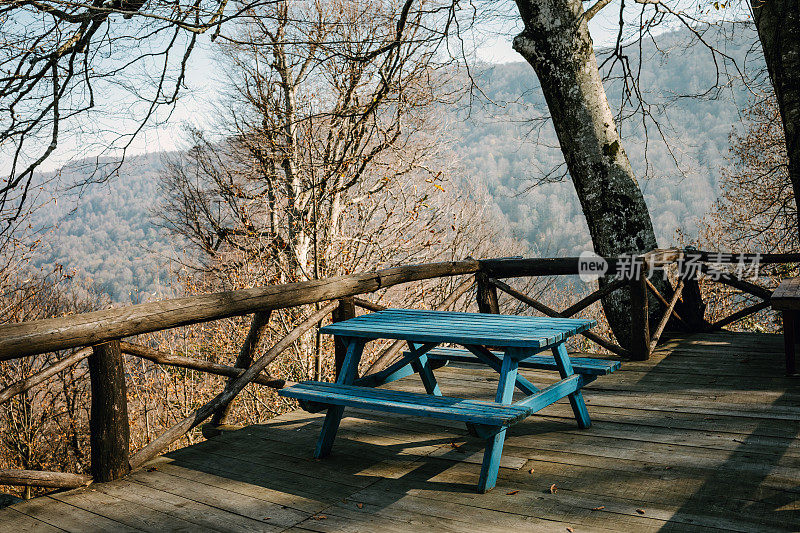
(108, 234)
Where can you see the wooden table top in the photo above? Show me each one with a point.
(787, 296)
(461, 328)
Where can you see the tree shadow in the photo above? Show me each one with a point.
(759, 469)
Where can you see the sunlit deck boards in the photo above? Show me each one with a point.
(708, 437)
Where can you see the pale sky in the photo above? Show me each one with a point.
(204, 82)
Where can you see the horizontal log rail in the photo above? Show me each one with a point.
(76, 331)
(733, 258)
(87, 332)
(41, 336)
(26, 384)
(41, 478)
(191, 363)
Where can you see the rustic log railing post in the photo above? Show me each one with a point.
(345, 311)
(108, 422)
(640, 317)
(486, 294)
(243, 360)
(693, 308)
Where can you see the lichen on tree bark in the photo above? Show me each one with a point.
(557, 44)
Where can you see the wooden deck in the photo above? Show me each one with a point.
(706, 435)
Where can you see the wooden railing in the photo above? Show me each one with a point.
(97, 336)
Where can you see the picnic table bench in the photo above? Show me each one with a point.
(786, 298)
(516, 341)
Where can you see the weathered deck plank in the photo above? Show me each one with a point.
(704, 436)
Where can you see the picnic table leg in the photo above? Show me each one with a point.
(348, 374)
(496, 363)
(576, 398)
(494, 444)
(422, 366)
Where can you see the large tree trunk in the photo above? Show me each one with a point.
(778, 25)
(557, 45)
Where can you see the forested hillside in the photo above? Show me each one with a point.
(500, 146)
(107, 232)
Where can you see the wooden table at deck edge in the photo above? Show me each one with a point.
(518, 337)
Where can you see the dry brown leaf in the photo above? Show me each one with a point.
(530, 471)
(360, 505)
(600, 508)
(640, 511)
(553, 489)
(512, 492)
(267, 518)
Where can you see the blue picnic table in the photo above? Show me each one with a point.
(504, 343)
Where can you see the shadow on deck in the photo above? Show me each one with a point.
(705, 435)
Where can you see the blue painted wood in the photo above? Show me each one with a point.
(508, 379)
(421, 365)
(522, 339)
(383, 377)
(398, 369)
(576, 398)
(333, 417)
(554, 392)
(461, 328)
(491, 461)
(494, 444)
(581, 365)
(317, 389)
(426, 405)
(496, 363)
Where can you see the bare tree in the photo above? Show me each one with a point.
(756, 211)
(45, 427)
(778, 25)
(556, 42)
(326, 99)
(66, 65)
